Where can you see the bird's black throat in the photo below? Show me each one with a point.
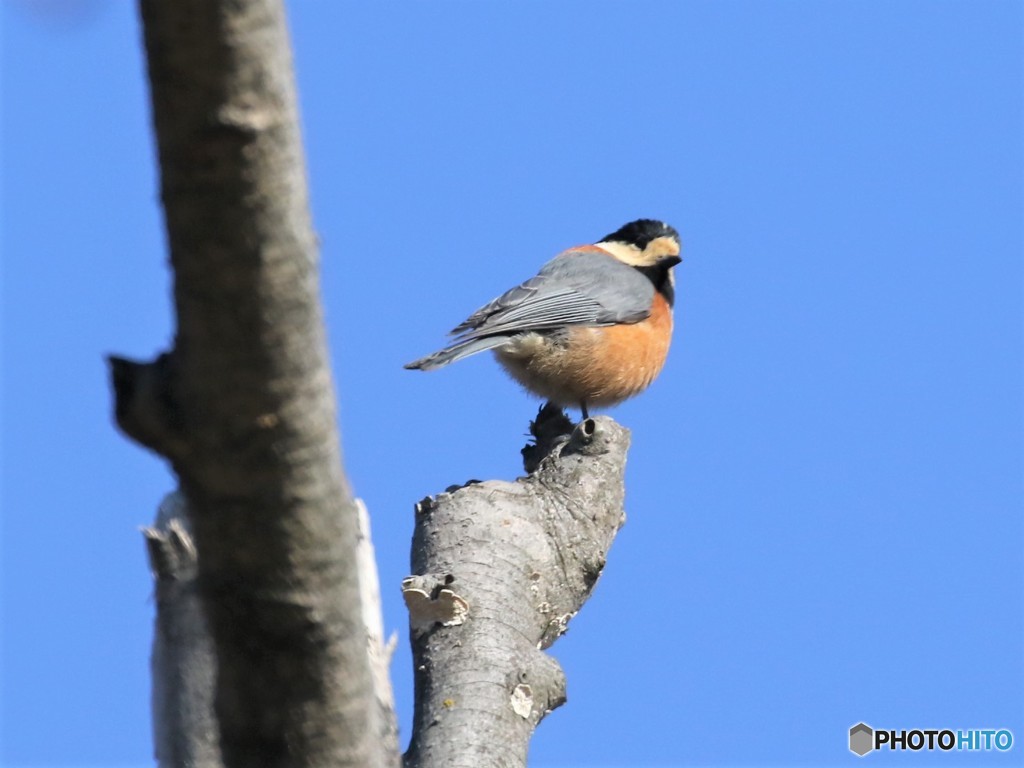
(659, 275)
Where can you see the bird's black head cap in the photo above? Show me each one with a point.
(641, 232)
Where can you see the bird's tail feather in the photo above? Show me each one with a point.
(456, 351)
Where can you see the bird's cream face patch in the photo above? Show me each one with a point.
(627, 254)
(658, 249)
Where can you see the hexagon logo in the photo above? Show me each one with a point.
(862, 739)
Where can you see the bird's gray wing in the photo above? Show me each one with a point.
(577, 287)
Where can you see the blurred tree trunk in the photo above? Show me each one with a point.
(269, 647)
(243, 405)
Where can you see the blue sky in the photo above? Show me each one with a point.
(825, 487)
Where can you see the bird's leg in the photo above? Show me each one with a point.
(583, 408)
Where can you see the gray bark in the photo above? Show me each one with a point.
(243, 405)
(499, 570)
(184, 666)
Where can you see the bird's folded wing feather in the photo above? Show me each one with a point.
(575, 288)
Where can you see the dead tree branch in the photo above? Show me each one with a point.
(184, 666)
(500, 569)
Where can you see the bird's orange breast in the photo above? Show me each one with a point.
(601, 366)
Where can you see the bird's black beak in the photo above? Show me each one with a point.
(670, 261)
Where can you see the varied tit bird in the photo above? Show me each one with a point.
(592, 328)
